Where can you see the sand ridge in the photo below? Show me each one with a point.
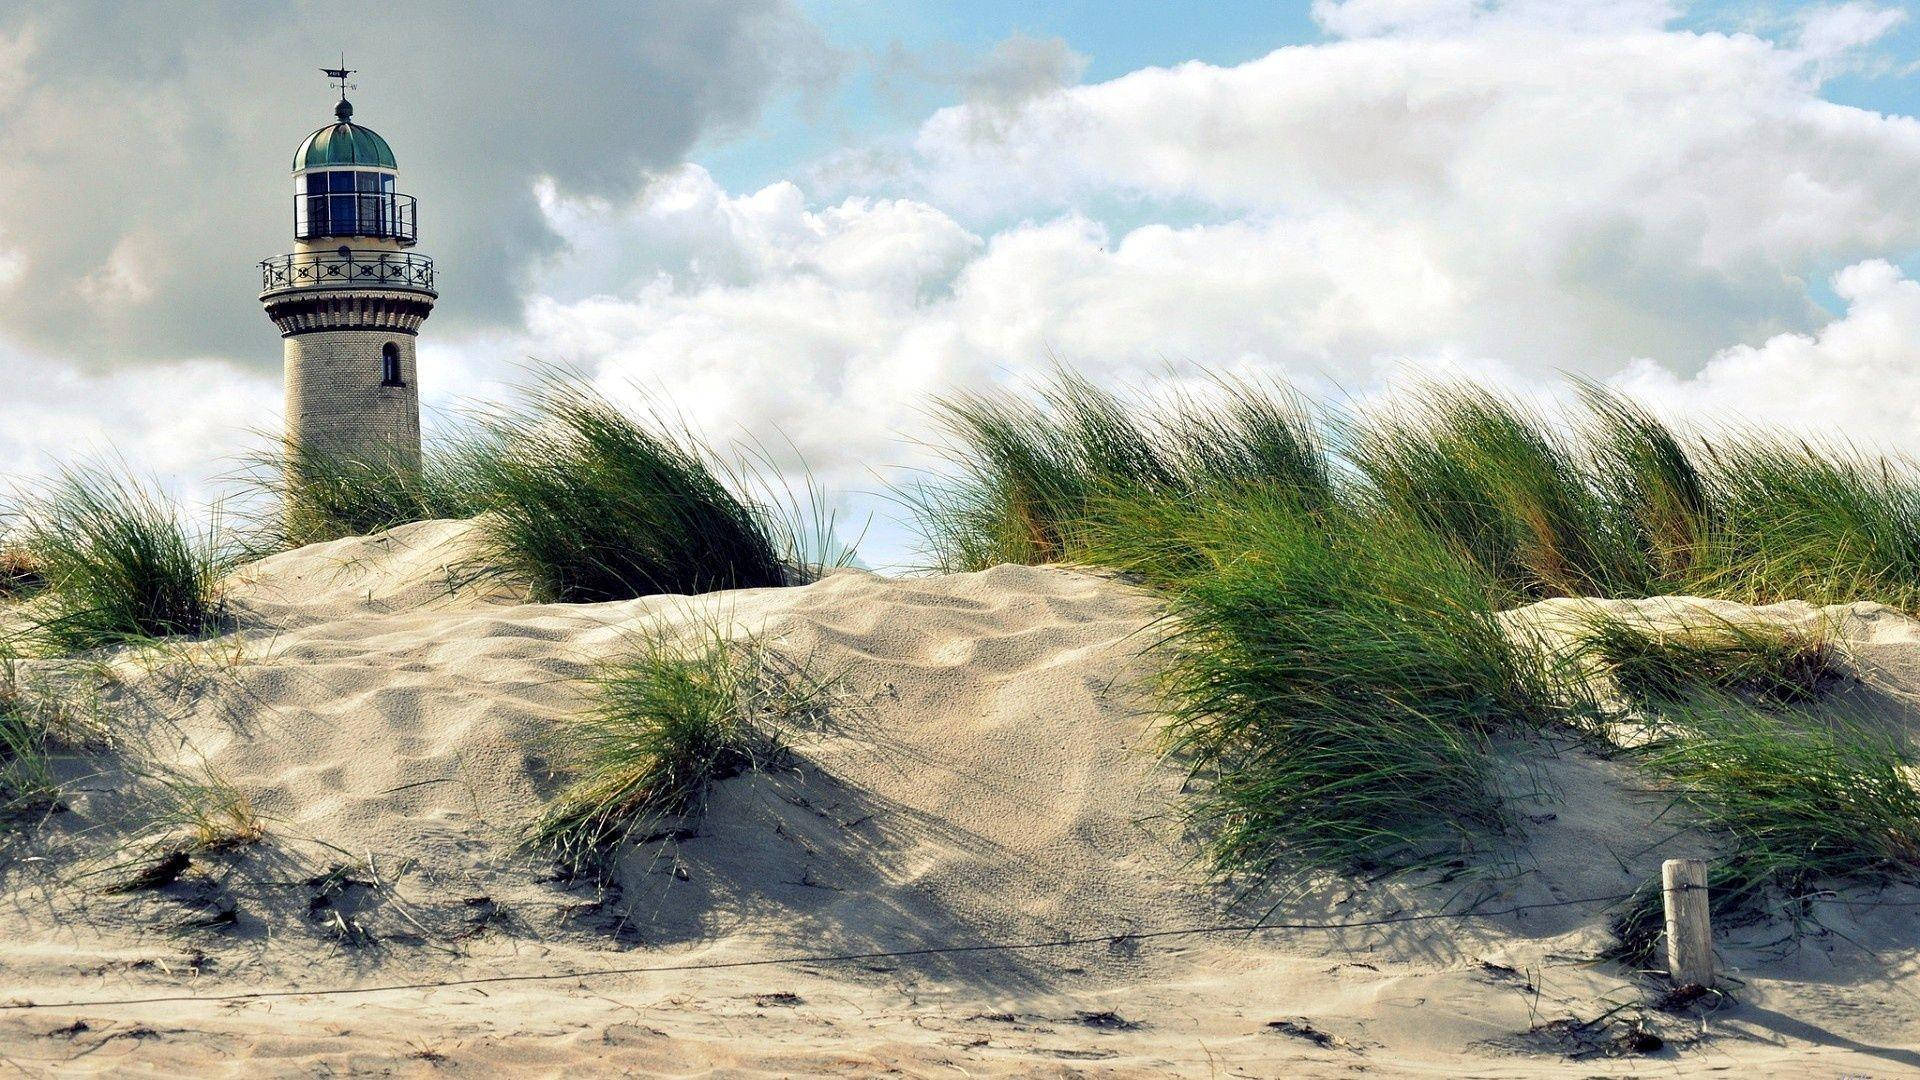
(992, 776)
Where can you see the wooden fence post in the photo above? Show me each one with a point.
(1683, 885)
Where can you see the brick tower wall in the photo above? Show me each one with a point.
(334, 342)
(336, 404)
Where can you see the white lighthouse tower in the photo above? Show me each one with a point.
(349, 299)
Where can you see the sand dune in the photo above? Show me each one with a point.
(988, 776)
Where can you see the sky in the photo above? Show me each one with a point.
(799, 221)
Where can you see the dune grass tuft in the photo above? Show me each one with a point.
(1800, 521)
(175, 814)
(590, 503)
(42, 714)
(1605, 500)
(1492, 479)
(1754, 661)
(312, 495)
(26, 773)
(1337, 687)
(204, 813)
(1803, 799)
(1028, 473)
(1736, 722)
(1656, 499)
(121, 565)
(1030, 479)
(1336, 679)
(670, 718)
(1806, 795)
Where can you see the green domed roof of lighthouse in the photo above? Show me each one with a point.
(343, 143)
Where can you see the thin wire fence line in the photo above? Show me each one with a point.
(816, 958)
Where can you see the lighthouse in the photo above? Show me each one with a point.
(349, 299)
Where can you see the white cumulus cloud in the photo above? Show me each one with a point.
(1856, 379)
(1537, 187)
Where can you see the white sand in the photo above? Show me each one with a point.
(989, 779)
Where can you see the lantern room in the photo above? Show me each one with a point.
(343, 186)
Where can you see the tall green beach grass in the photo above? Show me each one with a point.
(1755, 662)
(1803, 799)
(1600, 498)
(120, 564)
(577, 496)
(27, 781)
(309, 495)
(1802, 521)
(1338, 686)
(589, 502)
(1033, 481)
(1335, 678)
(668, 719)
(1490, 479)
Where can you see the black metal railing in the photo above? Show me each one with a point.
(355, 269)
(384, 214)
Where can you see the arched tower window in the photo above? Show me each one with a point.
(390, 365)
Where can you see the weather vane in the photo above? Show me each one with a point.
(340, 74)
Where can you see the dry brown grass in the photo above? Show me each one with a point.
(20, 572)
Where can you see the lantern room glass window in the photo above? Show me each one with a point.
(348, 202)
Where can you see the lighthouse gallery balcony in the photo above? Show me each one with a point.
(347, 269)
